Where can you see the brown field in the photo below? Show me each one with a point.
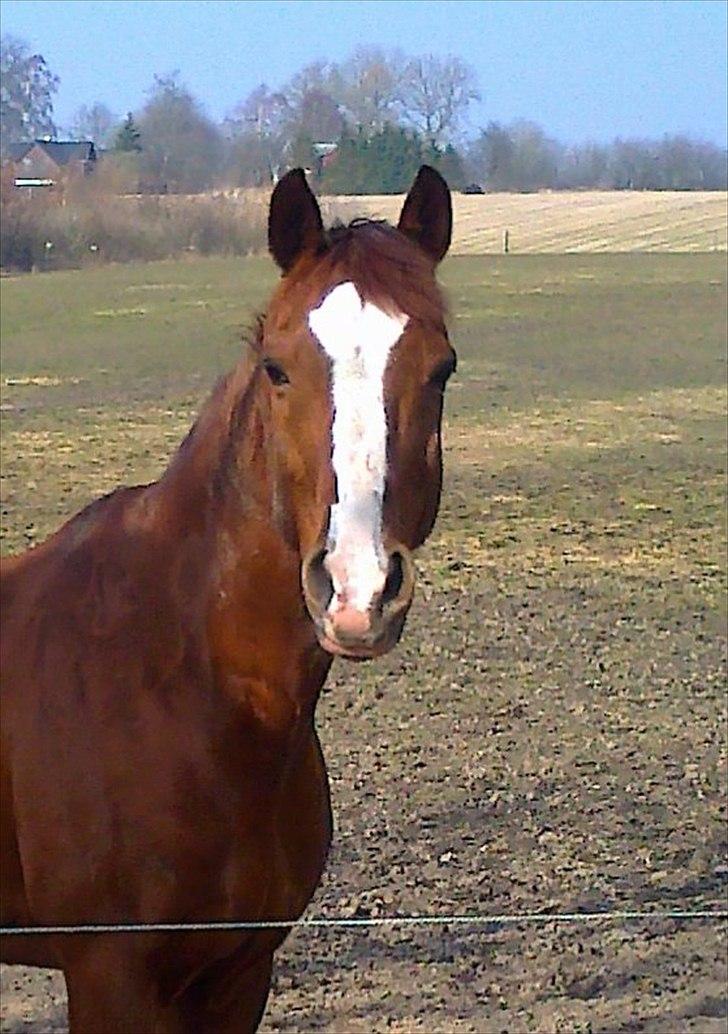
(559, 222)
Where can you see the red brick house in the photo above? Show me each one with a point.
(45, 163)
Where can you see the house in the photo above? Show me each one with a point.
(325, 154)
(46, 162)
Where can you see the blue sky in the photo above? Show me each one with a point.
(586, 70)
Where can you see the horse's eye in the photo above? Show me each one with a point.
(276, 373)
(441, 374)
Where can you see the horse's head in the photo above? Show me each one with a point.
(356, 354)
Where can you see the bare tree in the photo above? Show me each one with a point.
(257, 131)
(96, 123)
(26, 93)
(182, 150)
(434, 96)
(515, 157)
(318, 116)
(370, 82)
(687, 164)
(263, 111)
(584, 165)
(315, 108)
(320, 76)
(673, 163)
(491, 157)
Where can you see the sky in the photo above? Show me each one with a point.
(583, 69)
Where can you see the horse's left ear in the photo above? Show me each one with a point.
(294, 220)
(427, 213)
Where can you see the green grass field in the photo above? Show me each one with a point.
(561, 682)
(613, 364)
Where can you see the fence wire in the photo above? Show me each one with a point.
(358, 922)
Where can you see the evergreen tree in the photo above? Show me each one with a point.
(386, 162)
(343, 174)
(128, 136)
(450, 165)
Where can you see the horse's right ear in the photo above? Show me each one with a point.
(294, 220)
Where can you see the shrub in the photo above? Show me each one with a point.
(95, 228)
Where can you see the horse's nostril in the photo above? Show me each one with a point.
(395, 578)
(318, 584)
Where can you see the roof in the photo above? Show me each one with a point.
(321, 150)
(59, 151)
(16, 152)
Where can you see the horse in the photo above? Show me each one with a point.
(163, 652)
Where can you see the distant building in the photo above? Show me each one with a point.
(45, 163)
(325, 154)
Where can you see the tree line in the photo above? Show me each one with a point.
(360, 126)
(521, 157)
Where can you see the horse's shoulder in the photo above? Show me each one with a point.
(98, 599)
(95, 572)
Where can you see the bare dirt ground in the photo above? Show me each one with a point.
(551, 733)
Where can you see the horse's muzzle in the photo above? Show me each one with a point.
(353, 632)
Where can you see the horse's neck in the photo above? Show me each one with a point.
(219, 467)
(227, 481)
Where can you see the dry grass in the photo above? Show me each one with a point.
(593, 221)
(93, 228)
(621, 523)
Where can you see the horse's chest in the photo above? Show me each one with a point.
(268, 872)
(289, 845)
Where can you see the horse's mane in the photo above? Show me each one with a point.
(225, 407)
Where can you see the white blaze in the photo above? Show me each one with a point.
(358, 337)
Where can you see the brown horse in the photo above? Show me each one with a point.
(163, 652)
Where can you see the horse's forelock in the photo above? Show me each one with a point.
(387, 269)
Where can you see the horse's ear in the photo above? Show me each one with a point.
(427, 213)
(294, 220)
